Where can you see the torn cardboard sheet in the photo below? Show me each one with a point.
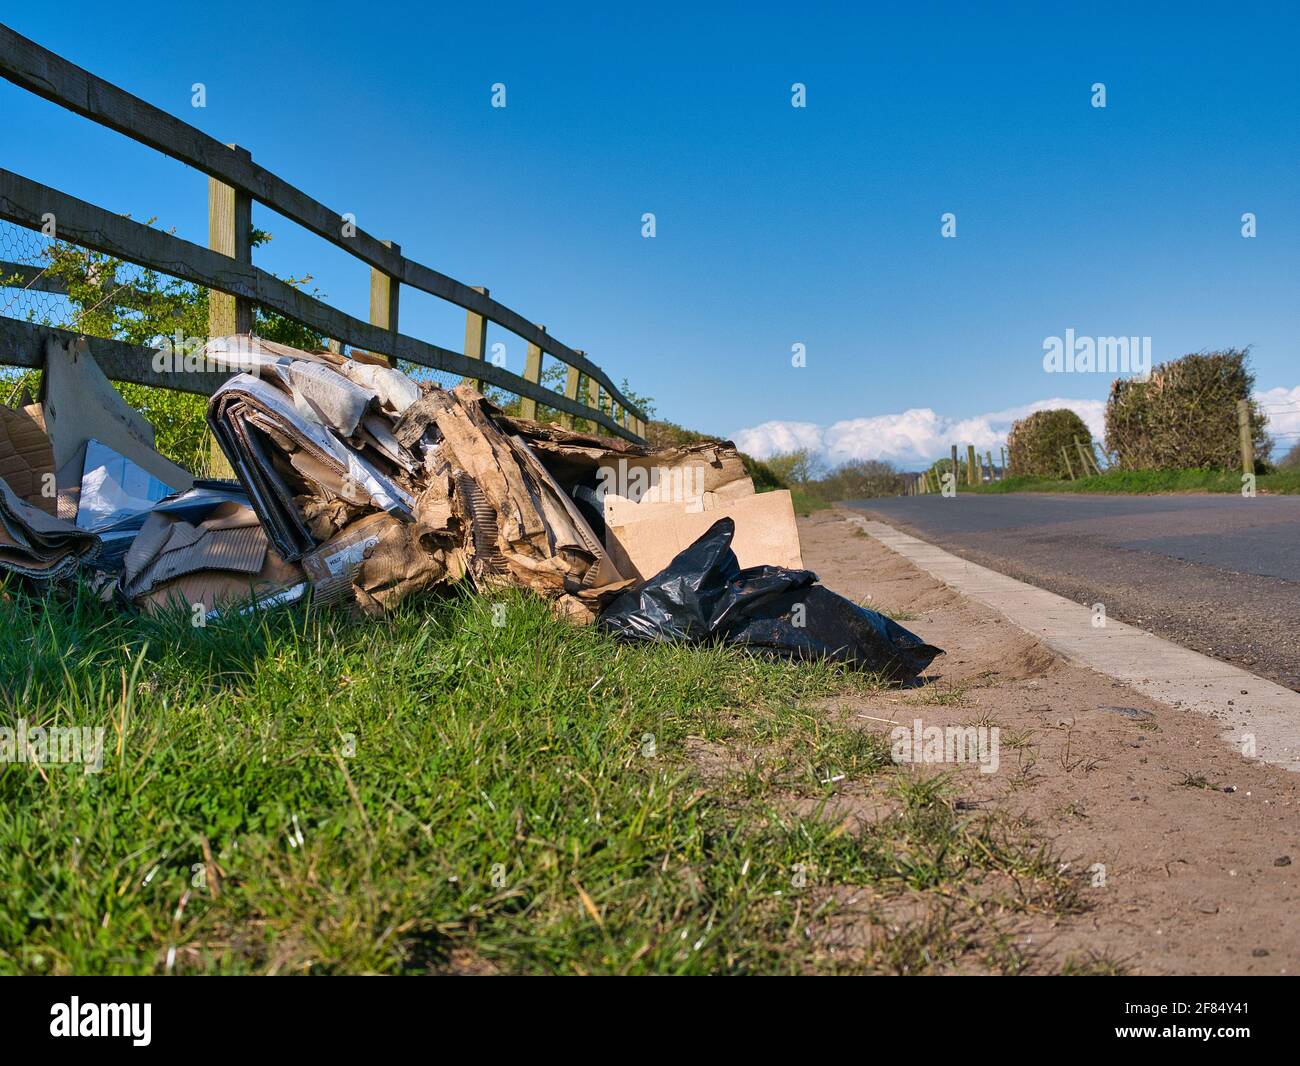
(39, 545)
(222, 560)
(521, 527)
(80, 405)
(402, 563)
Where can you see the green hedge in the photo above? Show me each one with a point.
(1184, 415)
(1034, 444)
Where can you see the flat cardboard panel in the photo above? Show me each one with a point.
(765, 534)
(80, 404)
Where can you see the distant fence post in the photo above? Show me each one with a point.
(1003, 472)
(1247, 443)
(989, 456)
(970, 464)
(1089, 458)
(476, 336)
(230, 232)
(383, 299)
(1066, 456)
(571, 392)
(533, 373)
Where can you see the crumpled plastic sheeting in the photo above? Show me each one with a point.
(703, 595)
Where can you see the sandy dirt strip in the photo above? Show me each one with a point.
(1188, 848)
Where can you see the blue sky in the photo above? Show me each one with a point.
(775, 225)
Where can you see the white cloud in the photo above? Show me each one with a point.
(918, 436)
(1283, 409)
(913, 438)
(777, 438)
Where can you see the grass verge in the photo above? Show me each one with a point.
(1147, 482)
(296, 792)
(806, 502)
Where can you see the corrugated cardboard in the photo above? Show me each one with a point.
(38, 545)
(230, 540)
(765, 534)
(26, 458)
(215, 590)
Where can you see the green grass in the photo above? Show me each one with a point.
(1146, 482)
(806, 502)
(298, 792)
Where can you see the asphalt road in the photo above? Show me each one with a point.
(1219, 574)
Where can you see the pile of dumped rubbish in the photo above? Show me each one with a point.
(360, 485)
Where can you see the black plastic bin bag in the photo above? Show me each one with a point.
(703, 595)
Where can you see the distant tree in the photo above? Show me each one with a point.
(797, 467)
(860, 479)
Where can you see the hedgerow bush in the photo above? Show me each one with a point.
(1034, 444)
(1185, 415)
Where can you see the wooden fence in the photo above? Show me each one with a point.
(225, 267)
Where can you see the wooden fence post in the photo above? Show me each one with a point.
(1084, 456)
(1003, 472)
(230, 232)
(593, 400)
(533, 373)
(1247, 442)
(570, 391)
(970, 464)
(383, 299)
(1066, 456)
(476, 336)
(989, 456)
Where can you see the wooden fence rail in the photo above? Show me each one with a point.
(42, 72)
